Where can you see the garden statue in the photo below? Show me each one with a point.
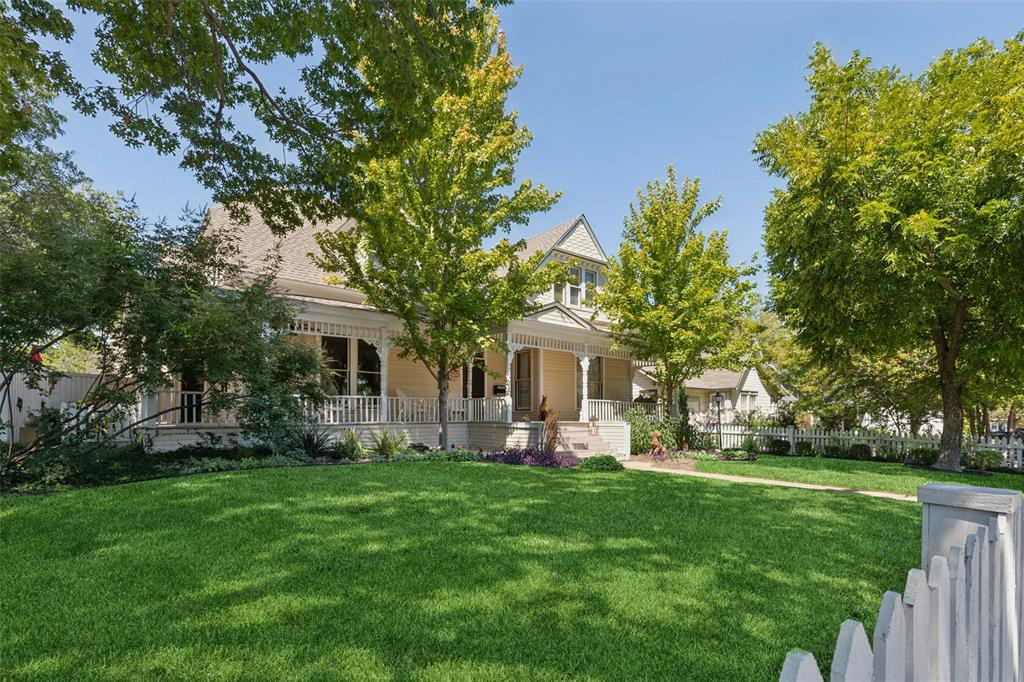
(657, 448)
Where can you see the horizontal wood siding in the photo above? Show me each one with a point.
(407, 377)
(560, 382)
(492, 437)
(617, 385)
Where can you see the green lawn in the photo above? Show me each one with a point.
(438, 572)
(885, 476)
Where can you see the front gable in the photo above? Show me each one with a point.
(581, 241)
(556, 313)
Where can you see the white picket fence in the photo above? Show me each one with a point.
(958, 621)
(1012, 449)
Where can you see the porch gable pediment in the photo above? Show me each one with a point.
(556, 313)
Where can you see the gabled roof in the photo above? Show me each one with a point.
(546, 240)
(256, 242)
(716, 379)
(711, 380)
(555, 238)
(566, 312)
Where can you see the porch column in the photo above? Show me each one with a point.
(585, 397)
(383, 351)
(511, 353)
(540, 375)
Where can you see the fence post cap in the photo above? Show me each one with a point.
(997, 500)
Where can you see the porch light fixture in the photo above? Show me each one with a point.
(719, 399)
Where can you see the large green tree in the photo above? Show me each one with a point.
(901, 215)
(673, 295)
(270, 105)
(144, 301)
(418, 251)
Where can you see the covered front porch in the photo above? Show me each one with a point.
(583, 378)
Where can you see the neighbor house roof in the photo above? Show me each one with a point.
(256, 243)
(712, 380)
(716, 379)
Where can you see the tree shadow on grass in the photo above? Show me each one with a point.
(444, 571)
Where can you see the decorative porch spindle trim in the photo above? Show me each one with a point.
(371, 335)
(566, 346)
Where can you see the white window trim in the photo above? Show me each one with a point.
(581, 289)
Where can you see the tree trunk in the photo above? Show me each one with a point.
(947, 351)
(915, 426)
(672, 396)
(1011, 420)
(986, 423)
(442, 404)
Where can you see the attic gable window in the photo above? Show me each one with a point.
(581, 287)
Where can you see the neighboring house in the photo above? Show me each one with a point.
(562, 351)
(742, 392)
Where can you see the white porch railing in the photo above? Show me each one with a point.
(346, 409)
(408, 410)
(615, 410)
(185, 408)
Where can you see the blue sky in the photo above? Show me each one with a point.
(615, 91)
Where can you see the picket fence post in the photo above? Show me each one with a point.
(960, 615)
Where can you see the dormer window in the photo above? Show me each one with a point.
(582, 286)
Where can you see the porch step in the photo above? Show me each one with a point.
(581, 442)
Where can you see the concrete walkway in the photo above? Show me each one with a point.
(647, 466)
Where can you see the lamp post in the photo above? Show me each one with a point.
(718, 398)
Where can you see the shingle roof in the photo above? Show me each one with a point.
(713, 379)
(543, 241)
(256, 242)
(716, 379)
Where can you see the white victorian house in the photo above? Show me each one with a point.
(742, 392)
(562, 351)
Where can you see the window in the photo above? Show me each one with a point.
(748, 402)
(336, 350)
(367, 370)
(574, 286)
(595, 381)
(589, 286)
(524, 388)
(582, 285)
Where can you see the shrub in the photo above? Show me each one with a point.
(804, 448)
(923, 455)
(700, 455)
(778, 446)
(733, 455)
(532, 457)
(689, 436)
(348, 446)
(983, 460)
(833, 451)
(308, 438)
(387, 444)
(749, 445)
(640, 429)
(601, 463)
(212, 464)
(859, 451)
(456, 455)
